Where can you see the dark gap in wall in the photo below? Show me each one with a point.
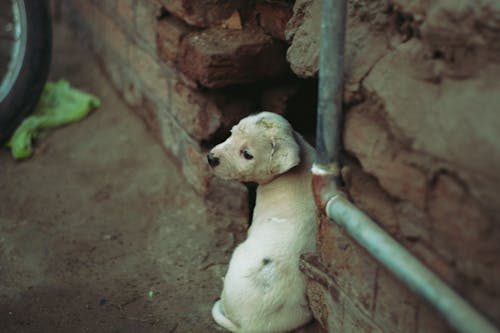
(302, 107)
(437, 54)
(164, 13)
(252, 197)
(294, 98)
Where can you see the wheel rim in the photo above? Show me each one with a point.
(13, 33)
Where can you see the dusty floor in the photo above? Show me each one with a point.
(98, 231)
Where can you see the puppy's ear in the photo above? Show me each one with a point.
(285, 153)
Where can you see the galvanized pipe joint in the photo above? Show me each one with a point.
(406, 267)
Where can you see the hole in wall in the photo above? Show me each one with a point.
(163, 14)
(302, 109)
(294, 98)
(437, 54)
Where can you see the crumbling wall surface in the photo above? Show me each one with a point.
(422, 143)
(191, 69)
(179, 64)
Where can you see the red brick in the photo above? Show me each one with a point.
(331, 306)
(195, 111)
(273, 16)
(395, 307)
(317, 302)
(353, 269)
(202, 114)
(219, 57)
(203, 13)
(170, 31)
(195, 167)
(322, 292)
(231, 197)
(184, 149)
(328, 312)
(233, 108)
(193, 163)
(175, 113)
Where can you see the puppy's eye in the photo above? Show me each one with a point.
(246, 154)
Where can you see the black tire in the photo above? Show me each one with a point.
(22, 98)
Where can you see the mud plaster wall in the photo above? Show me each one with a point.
(421, 130)
(422, 144)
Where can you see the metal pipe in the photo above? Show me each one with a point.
(326, 174)
(406, 267)
(330, 85)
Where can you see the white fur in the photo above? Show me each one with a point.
(221, 319)
(264, 291)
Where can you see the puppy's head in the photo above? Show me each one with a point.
(260, 147)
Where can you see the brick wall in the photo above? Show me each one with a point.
(137, 43)
(420, 134)
(191, 69)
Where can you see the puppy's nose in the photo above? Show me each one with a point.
(212, 160)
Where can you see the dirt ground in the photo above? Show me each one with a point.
(98, 230)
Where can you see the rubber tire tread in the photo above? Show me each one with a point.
(22, 98)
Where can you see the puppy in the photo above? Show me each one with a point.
(264, 291)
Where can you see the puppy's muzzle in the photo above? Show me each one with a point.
(212, 160)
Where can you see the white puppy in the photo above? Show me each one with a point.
(264, 291)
